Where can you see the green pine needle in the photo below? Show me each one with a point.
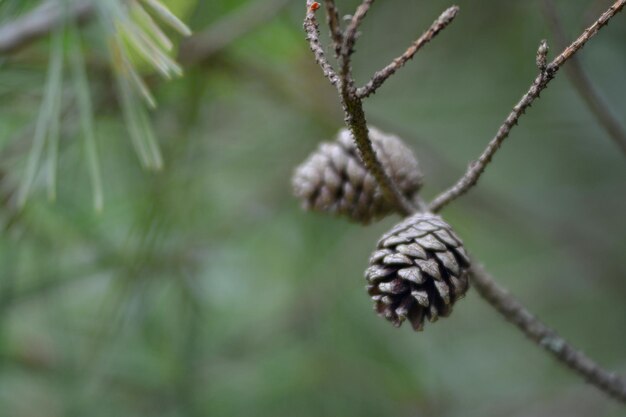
(151, 27)
(168, 17)
(48, 112)
(85, 111)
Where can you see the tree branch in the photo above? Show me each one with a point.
(381, 76)
(311, 27)
(584, 85)
(477, 168)
(40, 22)
(544, 336)
(333, 20)
(349, 40)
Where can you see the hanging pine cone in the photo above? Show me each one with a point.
(419, 270)
(333, 179)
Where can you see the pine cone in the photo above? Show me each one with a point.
(333, 179)
(419, 269)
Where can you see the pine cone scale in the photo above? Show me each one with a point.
(413, 250)
(413, 274)
(421, 297)
(397, 259)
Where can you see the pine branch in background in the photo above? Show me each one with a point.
(23, 30)
(45, 18)
(134, 34)
(132, 29)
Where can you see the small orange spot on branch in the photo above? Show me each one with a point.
(314, 6)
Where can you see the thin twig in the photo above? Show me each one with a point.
(544, 336)
(311, 27)
(584, 85)
(334, 24)
(203, 45)
(40, 22)
(353, 27)
(381, 76)
(475, 170)
(349, 40)
(588, 33)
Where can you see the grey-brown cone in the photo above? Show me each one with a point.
(419, 270)
(333, 179)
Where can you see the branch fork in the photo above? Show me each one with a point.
(351, 96)
(352, 101)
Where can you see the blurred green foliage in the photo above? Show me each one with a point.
(202, 289)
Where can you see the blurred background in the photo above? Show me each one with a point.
(201, 288)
